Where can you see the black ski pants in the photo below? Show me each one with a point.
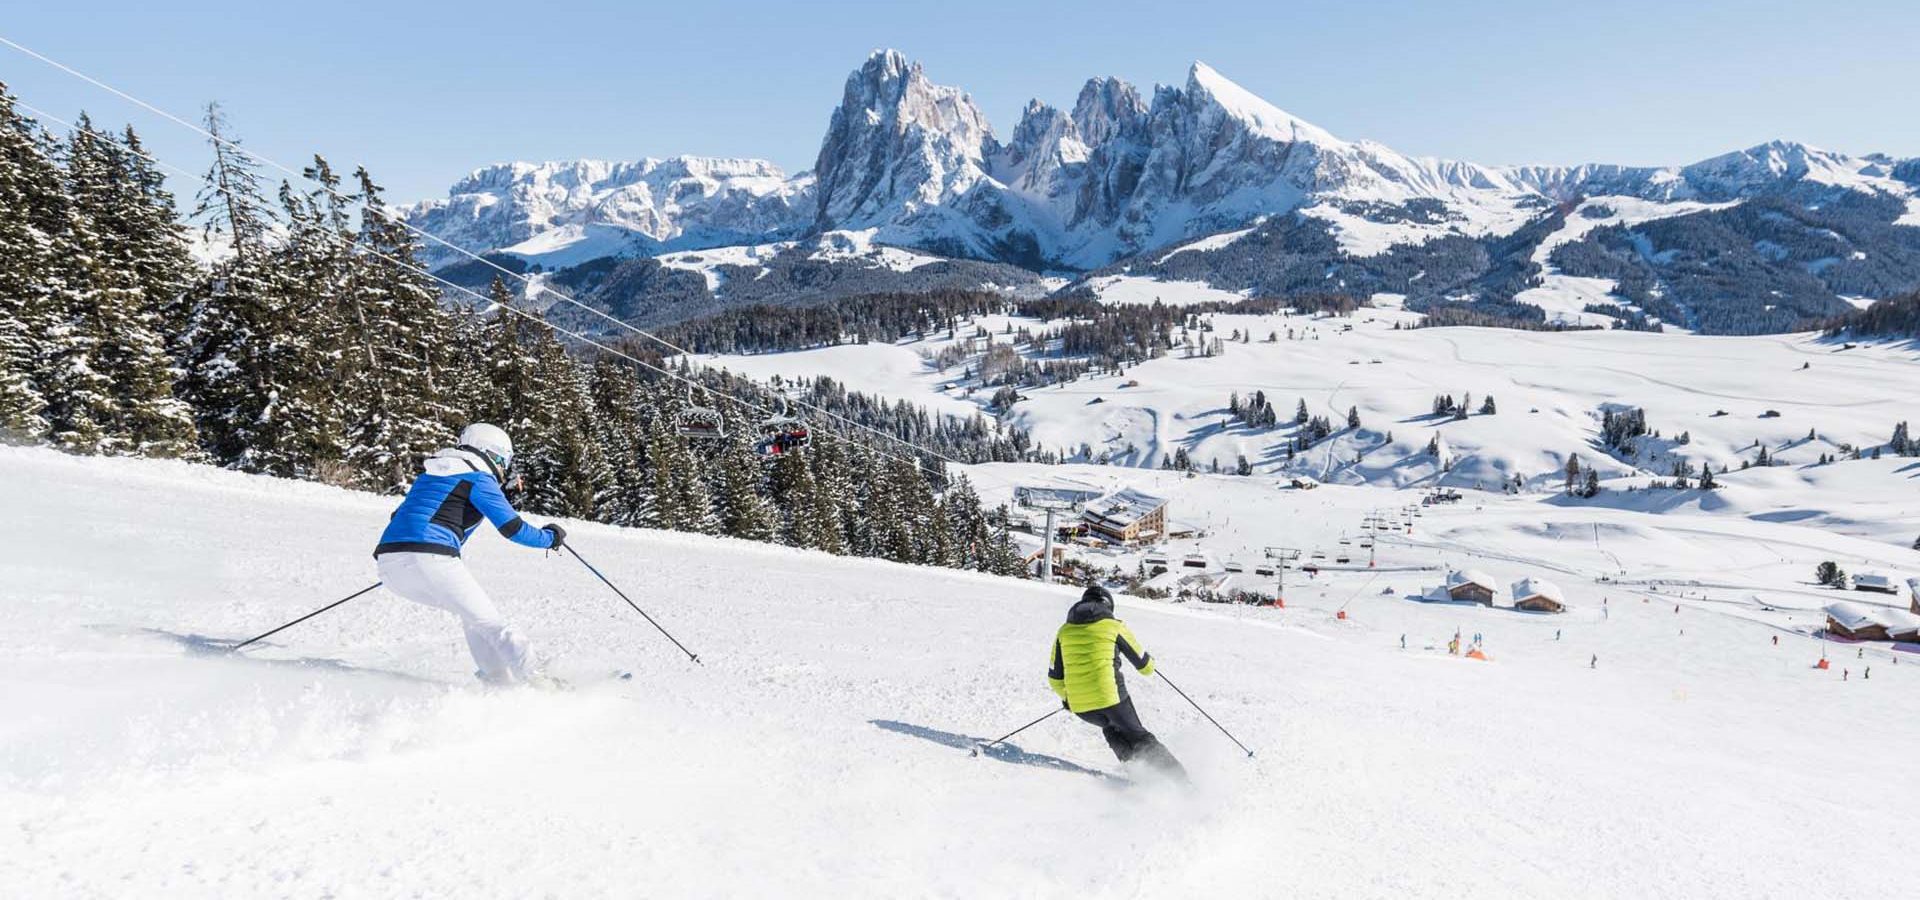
(1120, 725)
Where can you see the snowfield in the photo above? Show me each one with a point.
(818, 752)
(1550, 388)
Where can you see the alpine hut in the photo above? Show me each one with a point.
(1864, 622)
(1538, 595)
(1471, 585)
(1876, 582)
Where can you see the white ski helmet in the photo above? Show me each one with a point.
(490, 441)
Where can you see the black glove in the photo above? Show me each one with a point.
(558, 534)
(1066, 706)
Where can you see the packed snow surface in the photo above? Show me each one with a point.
(820, 749)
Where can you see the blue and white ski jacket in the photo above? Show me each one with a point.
(446, 504)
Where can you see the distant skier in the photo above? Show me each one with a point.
(1085, 672)
(419, 553)
(1594, 663)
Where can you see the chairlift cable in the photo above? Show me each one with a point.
(532, 284)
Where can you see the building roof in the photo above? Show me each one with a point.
(1123, 508)
(1064, 492)
(1873, 579)
(1854, 616)
(1029, 544)
(1538, 587)
(1459, 577)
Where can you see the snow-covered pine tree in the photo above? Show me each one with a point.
(621, 432)
(740, 487)
(75, 380)
(241, 360)
(681, 499)
(832, 473)
(912, 542)
(1353, 417)
(401, 351)
(797, 495)
(577, 476)
(30, 200)
(879, 513)
(140, 266)
(967, 524)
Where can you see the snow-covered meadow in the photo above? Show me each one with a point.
(818, 750)
(1550, 391)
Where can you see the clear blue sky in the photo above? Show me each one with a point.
(422, 92)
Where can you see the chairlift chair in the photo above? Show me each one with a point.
(782, 434)
(701, 423)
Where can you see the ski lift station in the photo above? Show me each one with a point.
(1128, 517)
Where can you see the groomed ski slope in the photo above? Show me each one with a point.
(354, 756)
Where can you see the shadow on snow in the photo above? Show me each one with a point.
(222, 648)
(1003, 752)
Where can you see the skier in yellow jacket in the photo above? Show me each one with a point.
(1085, 672)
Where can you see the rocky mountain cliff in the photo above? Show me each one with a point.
(1124, 181)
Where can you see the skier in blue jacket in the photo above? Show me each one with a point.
(419, 553)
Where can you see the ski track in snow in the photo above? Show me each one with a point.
(818, 753)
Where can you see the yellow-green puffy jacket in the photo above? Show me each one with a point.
(1085, 670)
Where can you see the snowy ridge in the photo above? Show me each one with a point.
(1123, 175)
(561, 213)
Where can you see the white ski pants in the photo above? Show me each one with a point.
(443, 582)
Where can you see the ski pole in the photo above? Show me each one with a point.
(1009, 735)
(1216, 724)
(236, 648)
(636, 607)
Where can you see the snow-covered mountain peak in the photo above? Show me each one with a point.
(915, 164)
(575, 209)
(1262, 117)
(1108, 108)
(896, 145)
